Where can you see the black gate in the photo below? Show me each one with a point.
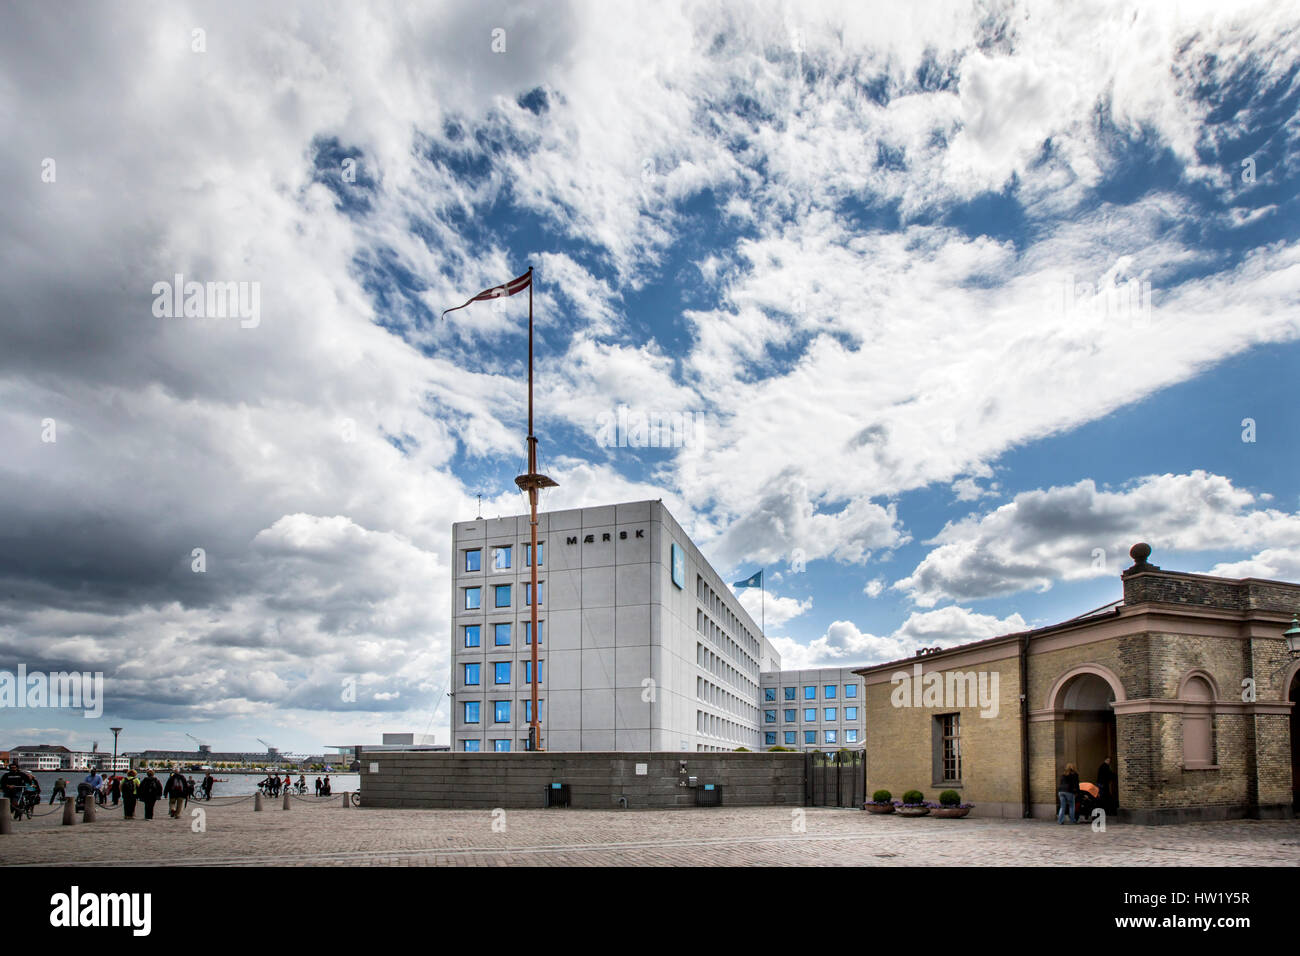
(835, 779)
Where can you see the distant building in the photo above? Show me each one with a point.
(42, 757)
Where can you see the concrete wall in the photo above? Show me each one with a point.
(596, 780)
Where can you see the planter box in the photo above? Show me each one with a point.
(913, 811)
(951, 813)
(878, 807)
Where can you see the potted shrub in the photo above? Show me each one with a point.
(950, 805)
(882, 801)
(914, 804)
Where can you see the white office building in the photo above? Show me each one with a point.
(642, 644)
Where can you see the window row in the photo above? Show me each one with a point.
(718, 608)
(810, 737)
(810, 714)
(502, 556)
(500, 671)
(501, 595)
(472, 711)
(473, 634)
(501, 746)
(829, 692)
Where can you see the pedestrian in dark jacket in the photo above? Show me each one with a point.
(150, 790)
(1067, 794)
(175, 792)
(130, 790)
(318, 785)
(1106, 784)
(115, 788)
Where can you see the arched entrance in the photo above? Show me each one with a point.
(1086, 730)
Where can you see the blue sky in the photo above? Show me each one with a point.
(959, 299)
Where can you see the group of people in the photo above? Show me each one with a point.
(273, 785)
(1071, 794)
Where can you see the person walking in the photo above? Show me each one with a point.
(130, 786)
(60, 790)
(96, 784)
(318, 786)
(207, 786)
(325, 787)
(175, 791)
(115, 789)
(1106, 783)
(150, 790)
(1067, 794)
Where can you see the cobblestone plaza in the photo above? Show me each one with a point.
(326, 834)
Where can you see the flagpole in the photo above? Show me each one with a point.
(762, 590)
(534, 727)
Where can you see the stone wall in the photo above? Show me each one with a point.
(595, 780)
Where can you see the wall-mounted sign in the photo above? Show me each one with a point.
(679, 566)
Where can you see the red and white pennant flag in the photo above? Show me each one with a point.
(498, 291)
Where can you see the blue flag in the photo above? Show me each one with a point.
(754, 581)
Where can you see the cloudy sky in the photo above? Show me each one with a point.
(963, 300)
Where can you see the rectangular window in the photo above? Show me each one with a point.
(830, 713)
(541, 593)
(810, 736)
(473, 598)
(850, 690)
(528, 632)
(791, 715)
(949, 749)
(850, 713)
(789, 693)
(528, 671)
(471, 635)
(502, 669)
(471, 673)
(471, 712)
(830, 736)
(769, 739)
(501, 559)
(473, 560)
(810, 692)
(541, 554)
(769, 693)
(851, 736)
(789, 736)
(528, 710)
(830, 691)
(502, 711)
(769, 716)
(470, 746)
(502, 632)
(501, 746)
(502, 595)
(810, 713)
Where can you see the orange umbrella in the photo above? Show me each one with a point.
(1090, 788)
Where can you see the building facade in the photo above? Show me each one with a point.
(1186, 685)
(820, 709)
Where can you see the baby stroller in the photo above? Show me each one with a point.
(84, 792)
(1089, 800)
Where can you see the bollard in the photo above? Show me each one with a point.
(89, 815)
(257, 801)
(286, 801)
(346, 802)
(6, 823)
(69, 812)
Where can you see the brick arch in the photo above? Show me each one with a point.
(1105, 673)
(1204, 675)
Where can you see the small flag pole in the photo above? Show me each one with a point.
(762, 590)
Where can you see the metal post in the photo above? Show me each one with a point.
(534, 725)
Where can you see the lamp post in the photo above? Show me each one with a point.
(1292, 635)
(116, 731)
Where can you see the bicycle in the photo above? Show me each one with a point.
(24, 802)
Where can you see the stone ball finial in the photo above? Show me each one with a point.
(1140, 552)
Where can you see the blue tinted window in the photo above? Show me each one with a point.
(850, 713)
(830, 691)
(810, 713)
(502, 672)
(790, 716)
(503, 595)
(851, 736)
(471, 673)
(528, 711)
(830, 736)
(528, 632)
(473, 598)
(830, 713)
(473, 560)
(810, 693)
(789, 693)
(471, 712)
(502, 634)
(471, 635)
(528, 671)
(850, 690)
(769, 693)
(769, 716)
(541, 554)
(502, 711)
(500, 559)
(810, 736)
(501, 746)
(541, 593)
(789, 736)
(471, 746)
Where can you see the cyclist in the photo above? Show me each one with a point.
(15, 783)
